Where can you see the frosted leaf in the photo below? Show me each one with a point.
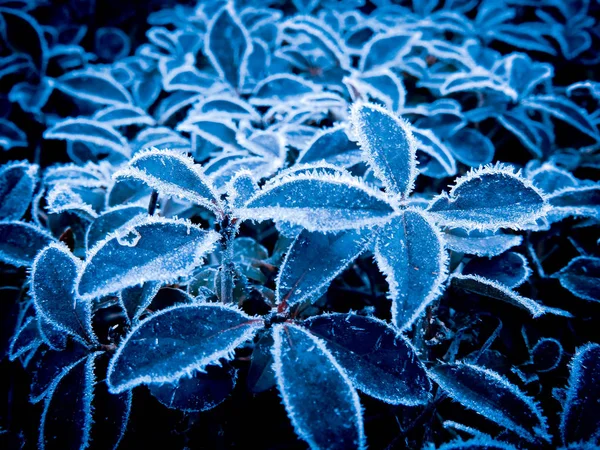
(581, 201)
(480, 243)
(312, 262)
(136, 299)
(546, 355)
(227, 106)
(227, 45)
(17, 183)
(123, 115)
(63, 198)
(53, 277)
(428, 143)
(319, 202)
(579, 420)
(217, 130)
(167, 249)
(174, 104)
(281, 88)
(93, 86)
(313, 384)
(22, 33)
(581, 277)
(477, 80)
(25, 338)
(483, 442)
(382, 85)
(176, 342)
(410, 253)
(509, 269)
(490, 198)
(159, 137)
(333, 146)
(200, 392)
(523, 127)
(378, 360)
(494, 397)
(11, 136)
(89, 131)
(492, 289)
(565, 110)
(66, 420)
(187, 78)
(386, 50)
(241, 188)
(172, 173)
(21, 241)
(389, 146)
(261, 376)
(471, 147)
(110, 221)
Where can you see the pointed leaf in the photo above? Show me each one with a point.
(155, 249)
(389, 146)
(312, 384)
(319, 202)
(332, 146)
(491, 395)
(178, 341)
(378, 360)
(410, 253)
(581, 201)
(579, 421)
(110, 221)
(93, 86)
(313, 260)
(488, 199)
(281, 88)
(509, 269)
(480, 243)
(172, 173)
(21, 241)
(123, 115)
(581, 277)
(17, 182)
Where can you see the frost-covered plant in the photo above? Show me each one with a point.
(257, 203)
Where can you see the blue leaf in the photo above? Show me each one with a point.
(385, 50)
(523, 127)
(442, 163)
(319, 202)
(509, 269)
(491, 395)
(90, 131)
(546, 355)
(313, 261)
(312, 384)
(53, 278)
(161, 138)
(174, 104)
(26, 338)
(478, 80)
(217, 130)
(67, 416)
(281, 88)
(378, 360)
(389, 146)
(227, 106)
(227, 45)
(522, 36)
(112, 44)
(196, 336)
(581, 277)
(146, 89)
(187, 78)
(23, 34)
(93, 86)
(123, 115)
(261, 376)
(492, 289)
(579, 420)
(200, 392)
(21, 241)
(551, 179)
(333, 146)
(110, 221)
(471, 147)
(480, 243)
(17, 183)
(172, 173)
(155, 249)
(11, 136)
(382, 85)
(490, 198)
(241, 188)
(483, 442)
(410, 252)
(581, 201)
(525, 74)
(136, 299)
(565, 110)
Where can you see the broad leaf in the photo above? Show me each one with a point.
(488, 199)
(93, 86)
(312, 384)
(21, 241)
(581, 201)
(313, 260)
(172, 173)
(136, 299)
(53, 277)
(110, 221)
(410, 252)
(153, 250)
(579, 420)
(17, 182)
(480, 243)
(319, 202)
(178, 341)
(491, 395)
(200, 392)
(471, 147)
(509, 269)
(386, 50)
(378, 360)
(581, 277)
(389, 147)
(281, 88)
(123, 115)
(482, 442)
(332, 146)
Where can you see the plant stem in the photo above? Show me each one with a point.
(152, 203)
